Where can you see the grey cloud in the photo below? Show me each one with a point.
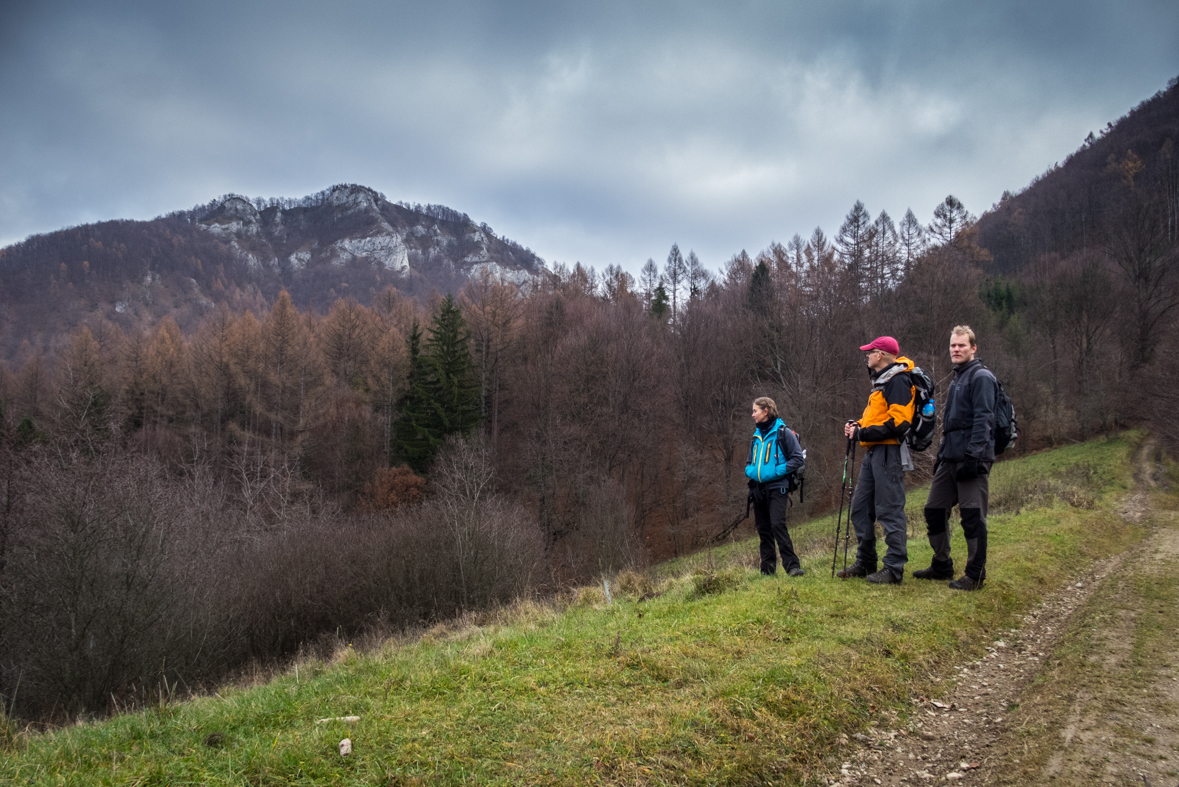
(600, 132)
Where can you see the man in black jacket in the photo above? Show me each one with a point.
(963, 465)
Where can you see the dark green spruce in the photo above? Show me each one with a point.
(443, 393)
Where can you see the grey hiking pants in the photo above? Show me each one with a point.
(971, 499)
(880, 495)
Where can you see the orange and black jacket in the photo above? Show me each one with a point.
(889, 413)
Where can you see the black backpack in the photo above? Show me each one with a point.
(920, 434)
(1006, 430)
(796, 481)
(1006, 427)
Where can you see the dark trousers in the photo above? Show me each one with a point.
(880, 495)
(971, 499)
(769, 517)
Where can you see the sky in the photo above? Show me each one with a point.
(598, 133)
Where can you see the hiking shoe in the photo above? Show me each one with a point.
(796, 572)
(854, 570)
(966, 583)
(884, 577)
(933, 573)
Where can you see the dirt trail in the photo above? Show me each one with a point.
(1114, 723)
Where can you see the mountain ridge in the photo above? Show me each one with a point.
(347, 240)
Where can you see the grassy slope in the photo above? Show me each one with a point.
(719, 677)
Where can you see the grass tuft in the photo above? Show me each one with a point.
(11, 735)
(711, 583)
(636, 584)
(1015, 487)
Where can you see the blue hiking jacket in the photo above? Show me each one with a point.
(768, 461)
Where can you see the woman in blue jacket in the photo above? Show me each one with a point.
(773, 455)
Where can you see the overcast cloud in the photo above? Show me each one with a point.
(599, 133)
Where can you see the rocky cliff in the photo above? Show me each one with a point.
(344, 241)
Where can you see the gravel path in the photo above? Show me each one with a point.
(968, 737)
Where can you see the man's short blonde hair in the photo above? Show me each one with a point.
(965, 330)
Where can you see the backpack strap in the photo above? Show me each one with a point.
(889, 373)
(980, 368)
(968, 382)
(792, 481)
(780, 440)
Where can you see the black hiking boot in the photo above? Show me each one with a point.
(856, 569)
(796, 572)
(966, 583)
(936, 570)
(884, 577)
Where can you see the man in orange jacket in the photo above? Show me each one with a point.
(880, 490)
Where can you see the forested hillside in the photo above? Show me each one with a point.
(1084, 267)
(204, 486)
(1080, 204)
(345, 241)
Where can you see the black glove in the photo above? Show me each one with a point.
(752, 484)
(968, 471)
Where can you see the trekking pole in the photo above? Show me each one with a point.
(839, 519)
(850, 496)
(721, 536)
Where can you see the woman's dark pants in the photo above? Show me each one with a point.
(769, 516)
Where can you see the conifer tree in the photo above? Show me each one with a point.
(950, 217)
(883, 260)
(761, 291)
(659, 305)
(674, 274)
(648, 281)
(698, 276)
(911, 240)
(452, 376)
(82, 400)
(413, 442)
(443, 394)
(853, 242)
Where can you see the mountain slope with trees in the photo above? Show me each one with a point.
(1081, 204)
(346, 241)
(1084, 275)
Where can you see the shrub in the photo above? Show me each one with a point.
(119, 579)
(90, 603)
(392, 488)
